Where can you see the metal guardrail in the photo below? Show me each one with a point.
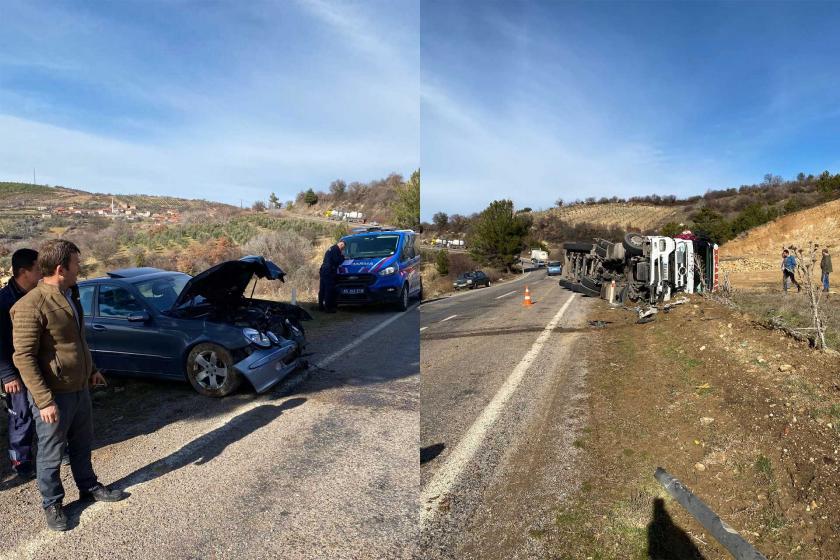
(731, 539)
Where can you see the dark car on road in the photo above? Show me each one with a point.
(166, 324)
(470, 280)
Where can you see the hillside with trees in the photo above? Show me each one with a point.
(722, 214)
(380, 200)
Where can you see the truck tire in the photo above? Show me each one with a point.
(633, 243)
(577, 246)
(590, 284)
(588, 291)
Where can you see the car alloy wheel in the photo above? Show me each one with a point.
(210, 370)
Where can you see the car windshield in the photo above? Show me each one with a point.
(370, 246)
(466, 276)
(554, 263)
(162, 292)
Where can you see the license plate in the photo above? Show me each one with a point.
(352, 291)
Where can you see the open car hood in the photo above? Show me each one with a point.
(226, 282)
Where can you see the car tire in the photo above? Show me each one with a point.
(633, 243)
(403, 304)
(210, 370)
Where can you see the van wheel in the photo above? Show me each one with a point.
(210, 370)
(402, 304)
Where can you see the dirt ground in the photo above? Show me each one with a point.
(746, 417)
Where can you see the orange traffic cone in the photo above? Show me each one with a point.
(527, 302)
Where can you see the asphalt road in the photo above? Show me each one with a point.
(501, 405)
(325, 466)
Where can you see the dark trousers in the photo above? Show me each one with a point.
(21, 430)
(326, 291)
(788, 275)
(74, 427)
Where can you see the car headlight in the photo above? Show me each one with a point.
(272, 337)
(256, 337)
(387, 271)
(469, 281)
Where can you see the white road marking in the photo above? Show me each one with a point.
(450, 317)
(444, 479)
(335, 355)
(507, 294)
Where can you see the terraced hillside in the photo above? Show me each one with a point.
(640, 216)
(23, 197)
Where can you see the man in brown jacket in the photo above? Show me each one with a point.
(56, 366)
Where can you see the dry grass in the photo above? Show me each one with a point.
(793, 309)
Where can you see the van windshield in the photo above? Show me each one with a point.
(554, 263)
(370, 246)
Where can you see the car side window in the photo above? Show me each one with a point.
(408, 249)
(117, 302)
(86, 298)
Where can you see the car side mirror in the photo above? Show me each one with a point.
(141, 317)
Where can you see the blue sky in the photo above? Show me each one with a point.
(217, 100)
(537, 101)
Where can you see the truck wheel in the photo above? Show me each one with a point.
(633, 243)
(577, 247)
(210, 370)
(590, 285)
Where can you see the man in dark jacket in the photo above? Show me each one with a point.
(56, 365)
(825, 267)
(25, 276)
(329, 269)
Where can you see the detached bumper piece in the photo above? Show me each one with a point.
(266, 368)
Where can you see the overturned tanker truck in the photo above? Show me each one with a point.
(642, 267)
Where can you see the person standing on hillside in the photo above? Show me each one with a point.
(825, 267)
(329, 270)
(56, 365)
(788, 271)
(25, 276)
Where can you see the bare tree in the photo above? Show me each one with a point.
(807, 261)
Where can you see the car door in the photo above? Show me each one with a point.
(411, 264)
(121, 345)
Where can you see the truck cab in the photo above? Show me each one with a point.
(380, 266)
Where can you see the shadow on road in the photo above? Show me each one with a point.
(666, 541)
(431, 452)
(200, 451)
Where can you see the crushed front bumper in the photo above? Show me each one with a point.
(266, 367)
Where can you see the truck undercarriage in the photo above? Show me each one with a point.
(646, 268)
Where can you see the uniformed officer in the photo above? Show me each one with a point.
(25, 276)
(329, 269)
